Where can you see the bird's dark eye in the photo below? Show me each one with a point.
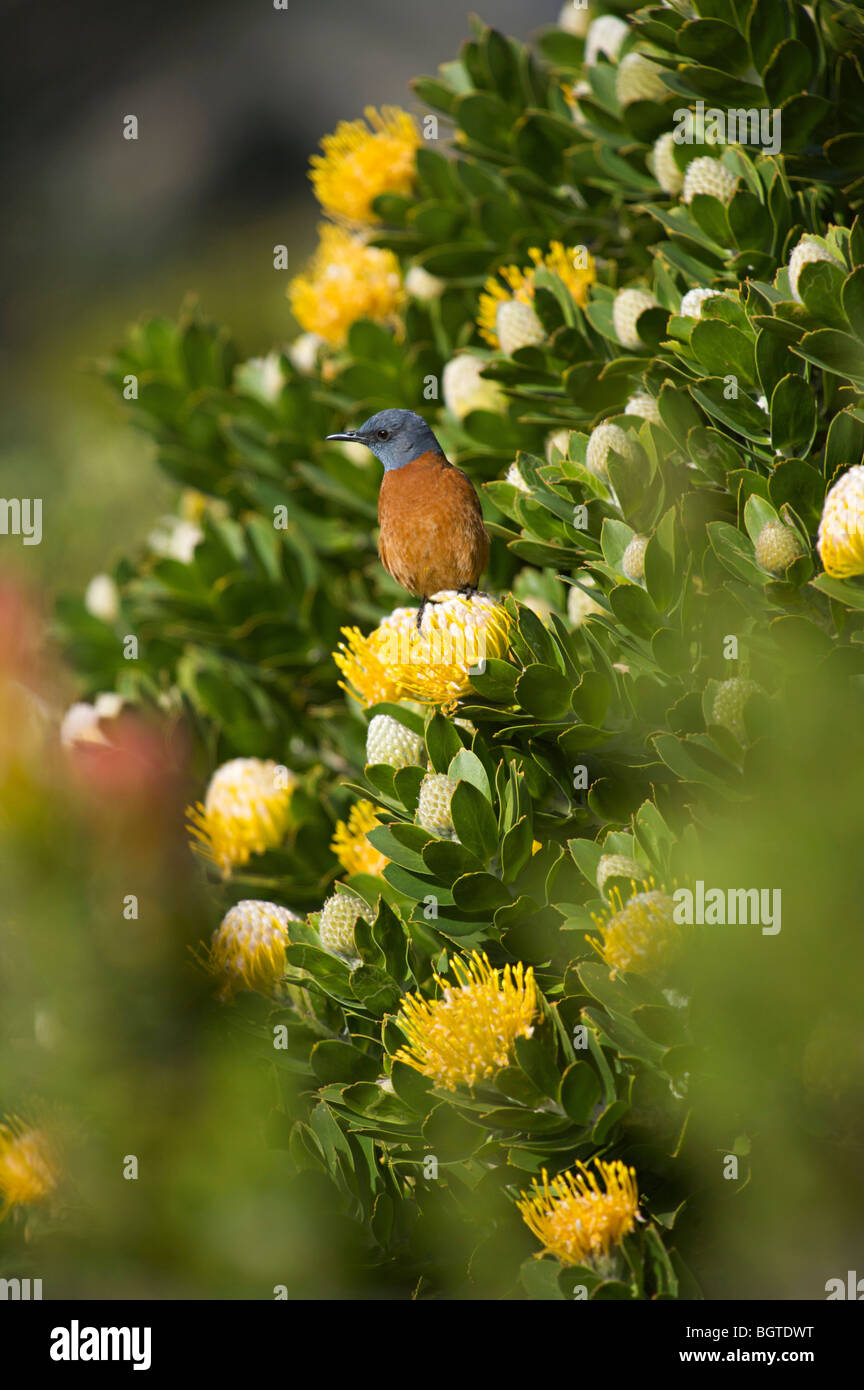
(383, 434)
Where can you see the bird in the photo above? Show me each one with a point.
(431, 535)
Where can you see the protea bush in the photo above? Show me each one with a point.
(503, 1066)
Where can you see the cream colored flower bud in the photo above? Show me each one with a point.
(691, 304)
(433, 804)
(729, 702)
(626, 309)
(423, 286)
(639, 79)
(604, 439)
(388, 741)
(517, 326)
(777, 546)
(336, 923)
(633, 559)
(666, 170)
(606, 34)
(643, 405)
(808, 250)
(464, 389)
(102, 598)
(575, 18)
(707, 175)
(619, 866)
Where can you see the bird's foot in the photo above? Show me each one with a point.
(468, 590)
(420, 611)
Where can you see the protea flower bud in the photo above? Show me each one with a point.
(515, 479)
(628, 305)
(691, 304)
(261, 377)
(809, 249)
(465, 389)
(305, 351)
(729, 702)
(619, 866)
(603, 439)
(707, 175)
(517, 326)
(841, 529)
(777, 546)
(639, 79)
(388, 741)
(248, 948)
(423, 286)
(433, 804)
(336, 923)
(560, 440)
(666, 171)
(605, 35)
(575, 19)
(633, 559)
(101, 598)
(643, 405)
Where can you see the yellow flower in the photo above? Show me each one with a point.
(350, 845)
(29, 1164)
(575, 1218)
(359, 163)
(468, 1034)
(245, 812)
(248, 948)
(574, 266)
(432, 665)
(346, 280)
(641, 935)
(841, 529)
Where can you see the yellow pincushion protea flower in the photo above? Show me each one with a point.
(29, 1164)
(432, 665)
(573, 265)
(640, 935)
(346, 280)
(350, 845)
(361, 161)
(468, 1034)
(841, 530)
(246, 811)
(575, 1218)
(248, 948)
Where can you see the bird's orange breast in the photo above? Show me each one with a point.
(432, 534)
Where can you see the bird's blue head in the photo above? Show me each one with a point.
(396, 437)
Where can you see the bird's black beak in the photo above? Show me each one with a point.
(350, 436)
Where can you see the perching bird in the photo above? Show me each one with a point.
(432, 535)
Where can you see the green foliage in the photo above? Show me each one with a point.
(593, 737)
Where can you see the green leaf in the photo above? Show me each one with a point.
(793, 416)
(580, 1092)
(544, 692)
(837, 352)
(333, 1060)
(475, 821)
(724, 350)
(442, 741)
